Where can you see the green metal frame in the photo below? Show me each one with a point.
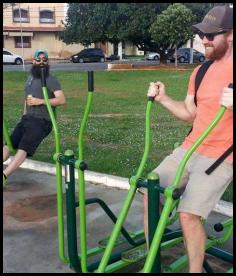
(127, 203)
(109, 262)
(169, 191)
(168, 207)
(6, 137)
(83, 237)
(78, 262)
(57, 136)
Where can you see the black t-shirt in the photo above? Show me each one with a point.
(33, 87)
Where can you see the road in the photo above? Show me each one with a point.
(68, 66)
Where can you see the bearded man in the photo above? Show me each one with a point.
(202, 190)
(35, 123)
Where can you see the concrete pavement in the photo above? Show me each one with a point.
(30, 224)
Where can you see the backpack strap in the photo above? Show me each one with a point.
(198, 79)
(200, 75)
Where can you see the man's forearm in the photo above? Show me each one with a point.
(178, 109)
(53, 101)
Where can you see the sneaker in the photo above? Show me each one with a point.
(4, 180)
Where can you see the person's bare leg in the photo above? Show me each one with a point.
(18, 159)
(6, 153)
(195, 239)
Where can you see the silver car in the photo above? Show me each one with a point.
(152, 56)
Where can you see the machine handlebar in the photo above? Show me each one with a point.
(90, 81)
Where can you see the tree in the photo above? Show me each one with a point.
(88, 23)
(172, 28)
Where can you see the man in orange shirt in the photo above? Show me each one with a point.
(202, 191)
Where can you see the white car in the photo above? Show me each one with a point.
(9, 57)
(153, 56)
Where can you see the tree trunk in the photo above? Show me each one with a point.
(176, 59)
(120, 50)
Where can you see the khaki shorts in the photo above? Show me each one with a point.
(202, 191)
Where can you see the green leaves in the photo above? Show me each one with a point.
(153, 27)
(173, 26)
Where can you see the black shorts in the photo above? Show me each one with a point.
(29, 133)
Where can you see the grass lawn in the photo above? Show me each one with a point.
(114, 138)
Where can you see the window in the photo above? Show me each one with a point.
(6, 53)
(26, 42)
(46, 16)
(20, 15)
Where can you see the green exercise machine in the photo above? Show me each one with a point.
(172, 195)
(160, 237)
(79, 262)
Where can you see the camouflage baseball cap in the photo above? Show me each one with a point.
(218, 19)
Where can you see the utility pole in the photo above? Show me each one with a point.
(22, 45)
(120, 51)
(191, 51)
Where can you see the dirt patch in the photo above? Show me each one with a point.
(145, 67)
(32, 209)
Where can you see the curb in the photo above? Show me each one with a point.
(131, 66)
(222, 207)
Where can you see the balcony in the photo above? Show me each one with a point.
(46, 20)
(21, 19)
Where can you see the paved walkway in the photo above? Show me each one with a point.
(30, 224)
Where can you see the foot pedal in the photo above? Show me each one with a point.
(103, 243)
(135, 254)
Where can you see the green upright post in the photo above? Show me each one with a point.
(61, 248)
(154, 215)
(71, 210)
(80, 165)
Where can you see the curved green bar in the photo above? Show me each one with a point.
(61, 242)
(126, 205)
(169, 201)
(228, 227)
(83, 238)
(7, 137)
(147, 141)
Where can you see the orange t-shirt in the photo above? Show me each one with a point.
(218, 75)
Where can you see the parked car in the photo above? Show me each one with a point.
(152, 56)
(113, 57)
(89, 55)
(11, 58)
(183, 56)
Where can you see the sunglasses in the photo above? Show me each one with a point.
(41, 59)
(210, 36)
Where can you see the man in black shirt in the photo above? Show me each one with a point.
(35, 123)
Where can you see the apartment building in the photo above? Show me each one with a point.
(30, 26)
